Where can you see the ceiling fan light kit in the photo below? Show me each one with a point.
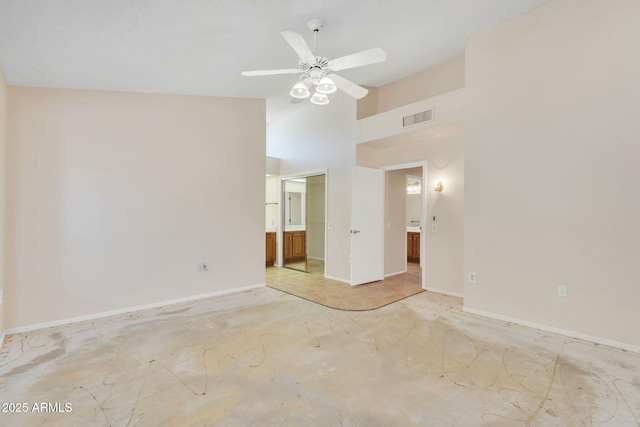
(300, 91)
(326, 86)
(320, 99)
(317, 71)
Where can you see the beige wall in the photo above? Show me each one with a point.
(3, 175)
(436, 80)
(445, 161)
(552, 166)
(115, 197)
(395, 236)
(367, 106)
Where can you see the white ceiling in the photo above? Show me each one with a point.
(199, 47)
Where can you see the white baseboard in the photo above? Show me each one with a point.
(395, 273)
(316, 258)
(444, 292)
(542, 327)
(337, 279)
(126, 310)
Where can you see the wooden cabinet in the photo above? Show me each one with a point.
(271, 248)
(413, 247)
(295, 246)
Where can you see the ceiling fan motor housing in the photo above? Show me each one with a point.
(317, 70)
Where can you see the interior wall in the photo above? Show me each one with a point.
(367, 106)
(395, 242)
(551, 167)
(114, 198)
(3, 175)
(445, 157)
(436, 80)
(367, 157)
(309, 137)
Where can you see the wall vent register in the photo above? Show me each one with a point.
(414, 119)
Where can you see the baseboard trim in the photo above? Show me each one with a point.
(444, 292)
(316, 258)
(597, 340)
(395, 273)
(103, 314)
(337, 279)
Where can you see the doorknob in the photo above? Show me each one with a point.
(355, 231)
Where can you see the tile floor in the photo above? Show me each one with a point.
(266, 358)
(343, 296)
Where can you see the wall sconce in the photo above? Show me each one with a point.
(439, 187)
(413, 187)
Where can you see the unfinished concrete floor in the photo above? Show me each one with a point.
(266, 358)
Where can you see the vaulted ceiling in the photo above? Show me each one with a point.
(200, 47)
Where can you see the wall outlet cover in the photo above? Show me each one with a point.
(472, 277)
(562, 290)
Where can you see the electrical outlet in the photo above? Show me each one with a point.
(434, 227)
(562, 290)
(330, 226)
(472, 277)
(202, 267)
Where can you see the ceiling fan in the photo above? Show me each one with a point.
(317, 72)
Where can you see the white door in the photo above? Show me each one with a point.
(367, 225)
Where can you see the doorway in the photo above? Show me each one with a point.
(303, 228)
(405, 218)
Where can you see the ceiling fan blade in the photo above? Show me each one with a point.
(348, 87)
(366, 57)
(270, 72)
(298, 44)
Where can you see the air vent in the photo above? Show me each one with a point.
(414, 119)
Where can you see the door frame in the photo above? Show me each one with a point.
(280, 233)
(423, 219)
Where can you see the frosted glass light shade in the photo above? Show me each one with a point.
(320, 99)
(300, 91)
(326, 86)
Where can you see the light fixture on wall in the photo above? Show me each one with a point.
(439, 187)
(413, 187)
